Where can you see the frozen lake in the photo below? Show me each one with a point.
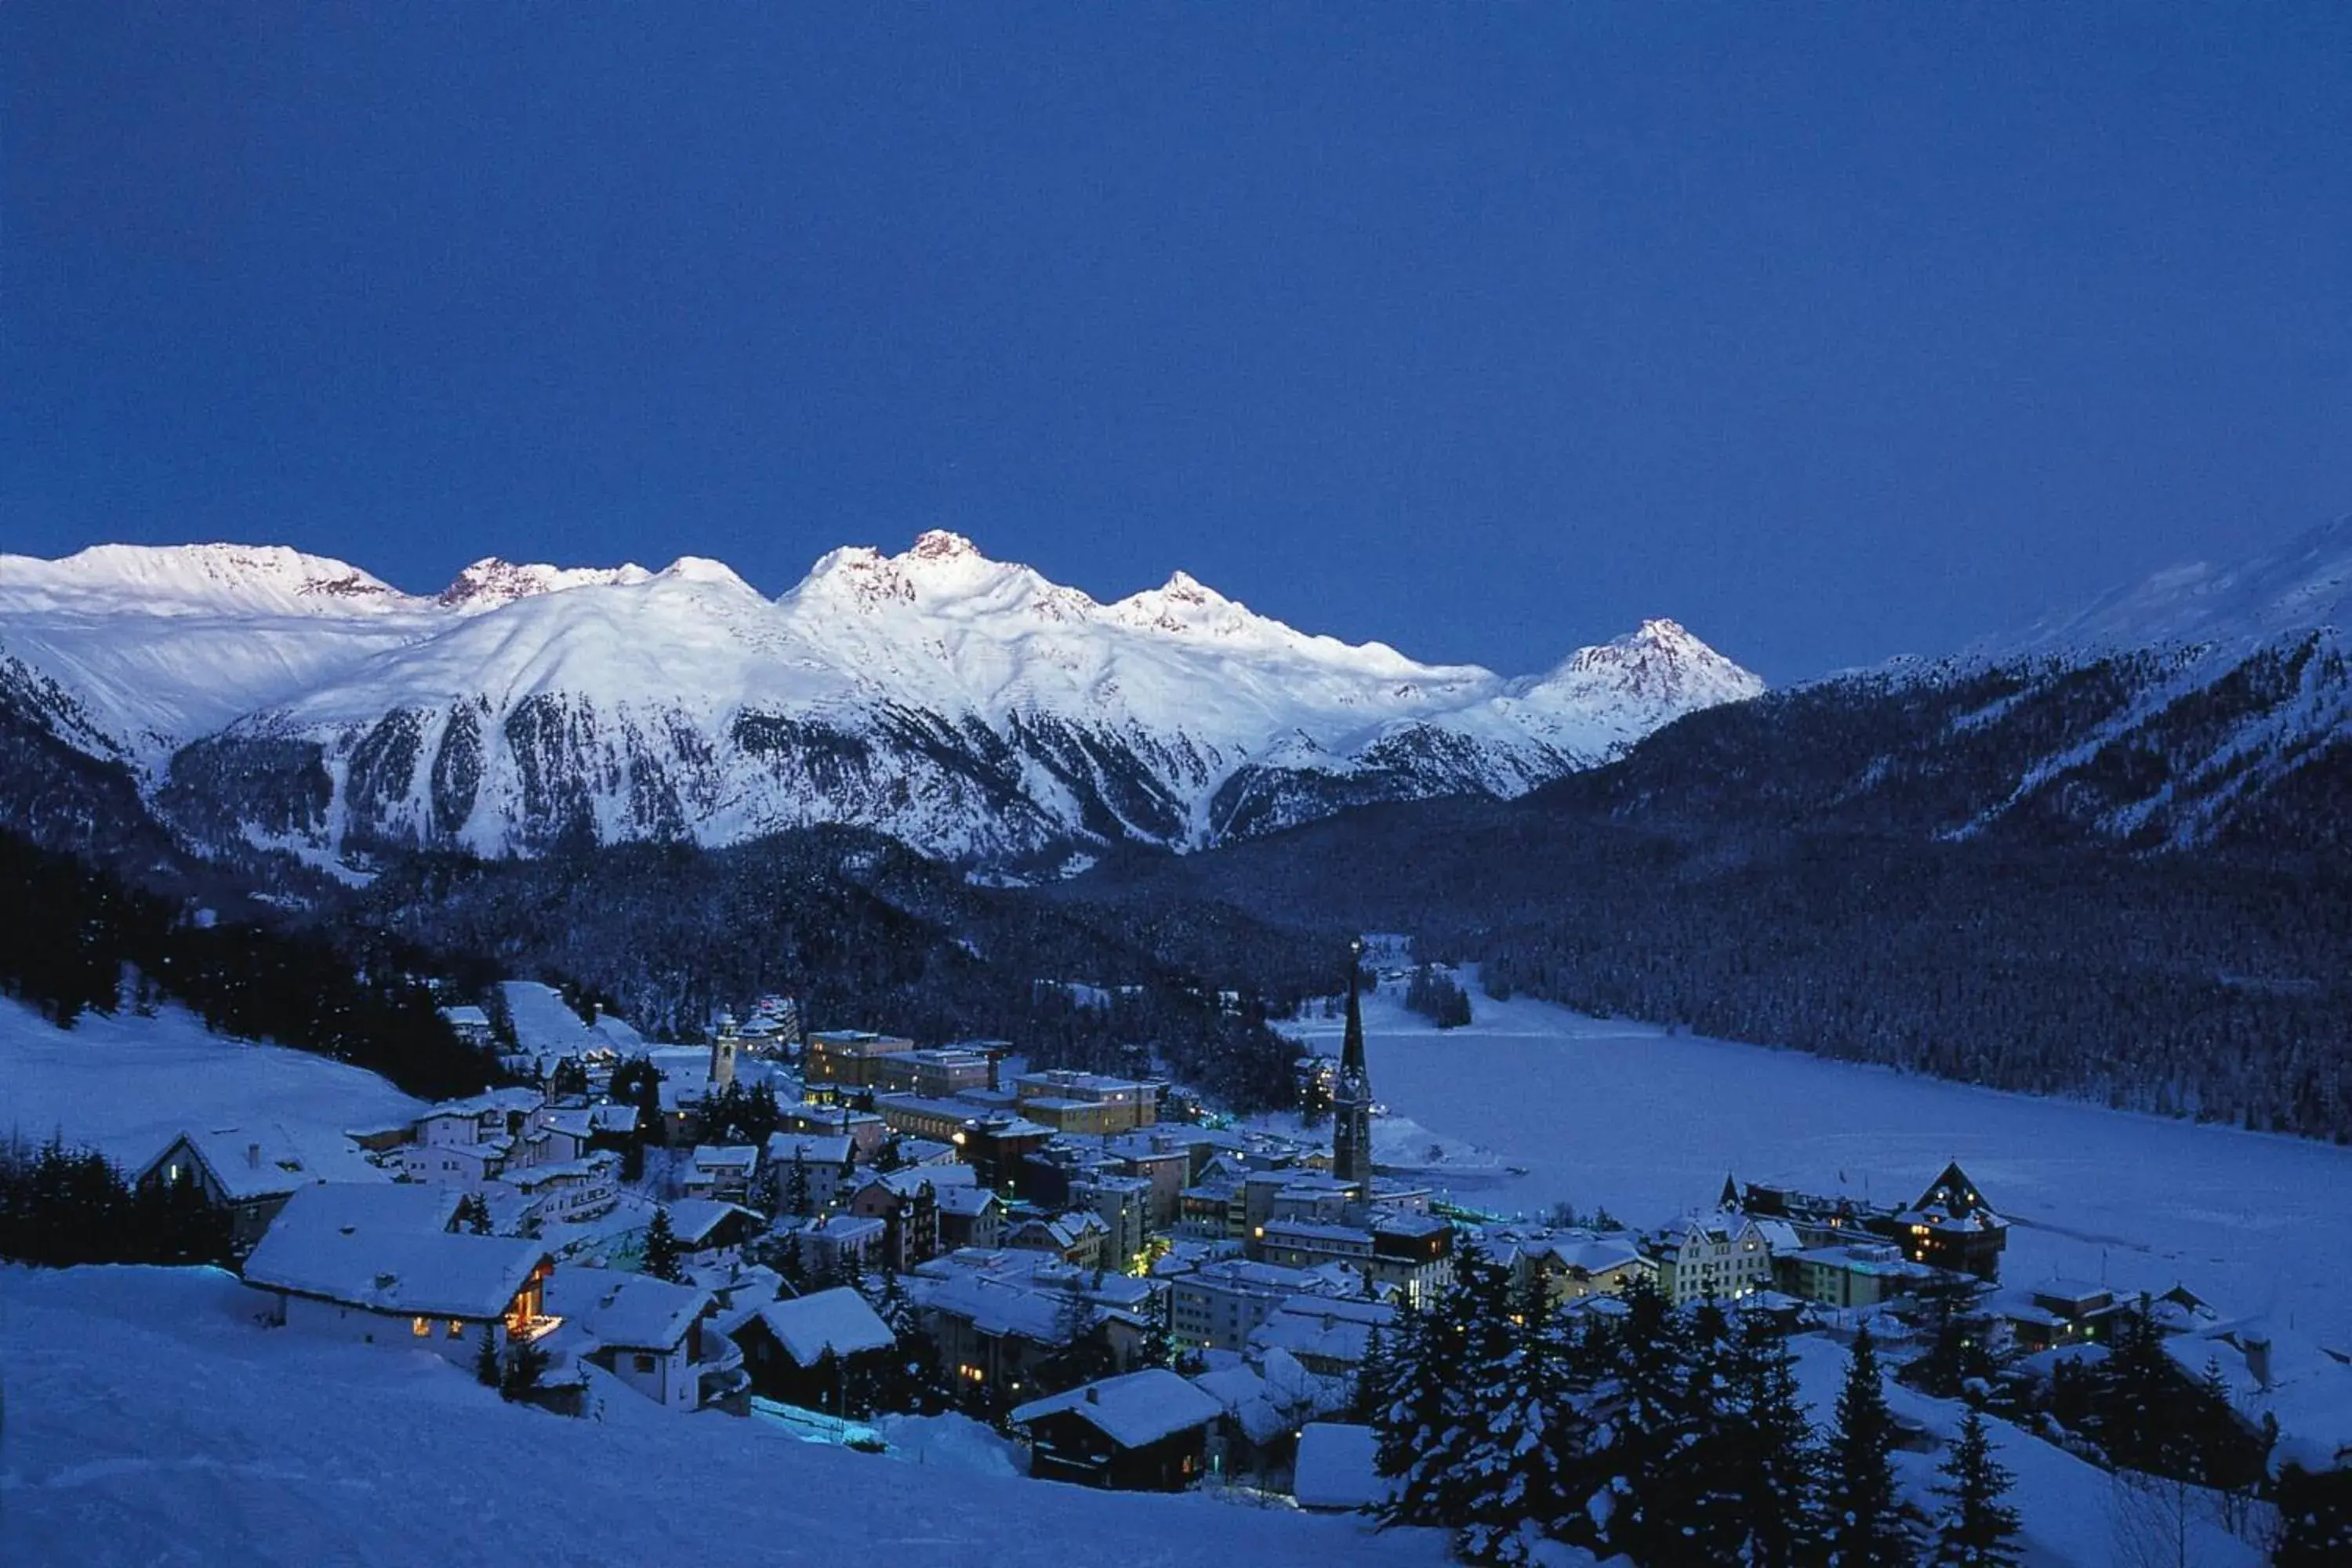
(1611, 1114)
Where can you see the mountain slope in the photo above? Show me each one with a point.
(2205, 708)
(968, 706)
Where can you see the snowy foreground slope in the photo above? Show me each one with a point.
(127, 1085)
(968, 706)
(151, 1421)
(1611, 1114)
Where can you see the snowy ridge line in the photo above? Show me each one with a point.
(968, 706)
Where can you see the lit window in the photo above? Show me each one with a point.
(420, 1327)
(457, 1330)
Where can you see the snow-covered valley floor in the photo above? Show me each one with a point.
(149, 1420)
(1611, 1114)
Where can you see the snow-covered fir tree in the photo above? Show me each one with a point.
(1976, 1528)
(1865, 1527)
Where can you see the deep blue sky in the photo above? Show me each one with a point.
(1484, 331)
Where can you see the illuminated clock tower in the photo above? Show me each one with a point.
(1351, 1103)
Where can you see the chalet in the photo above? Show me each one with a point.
(1145, 1431)
(647, 1332)
(709, 1232)
(814, 1350)
(2062, 1312)
(1952, 1226)
(250, 1172)
(389, 1284)
(469, 1166)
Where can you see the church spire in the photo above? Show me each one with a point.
(1351, 1103)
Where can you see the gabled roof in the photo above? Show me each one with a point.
(387, 1269)
(971, 1202)
(630, 1311)
(837, 1319)
(808, 1148)
(412, 1206)
(269, 1161)
(692, 1220)
(1134, 1411)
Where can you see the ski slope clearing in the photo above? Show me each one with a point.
(1604, 1113)
(128, 1085)
(150, 1420)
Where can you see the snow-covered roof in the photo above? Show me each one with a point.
(724, 1156)
(692, 1220)
(370, 1206)
(629, 1311)
(837, 1319)
(971, 1201)
(267, 1160)
(1339, 1467)
(467, 1016)
(490, 1100)
(1000, 1307)
(1133, 1411)
(388, 1269)
(808, 1148)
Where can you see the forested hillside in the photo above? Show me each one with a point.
(2177, 984)
(75, 939)
(867, 934)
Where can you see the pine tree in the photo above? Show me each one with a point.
(1439, 1437)
(1519, 1483)
(1977, 1527)
(1646, 1445)
(661, 1248)
(486, 1370)
(1767, 1451)
(1422, 1364)
(526, 1364)
(1865, 1528)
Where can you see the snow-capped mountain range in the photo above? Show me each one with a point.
(2207, 706)
(966, 705)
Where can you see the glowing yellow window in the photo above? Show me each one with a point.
(420, 1327)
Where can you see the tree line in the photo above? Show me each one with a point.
(75, 939)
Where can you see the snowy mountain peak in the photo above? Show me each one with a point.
(1185, 605)
(943, 574)
(490, 583)
(1659, 662)
(169, 579)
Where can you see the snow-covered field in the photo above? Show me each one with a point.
(128, 1085)
(151, 1421)
(1618, 1115)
